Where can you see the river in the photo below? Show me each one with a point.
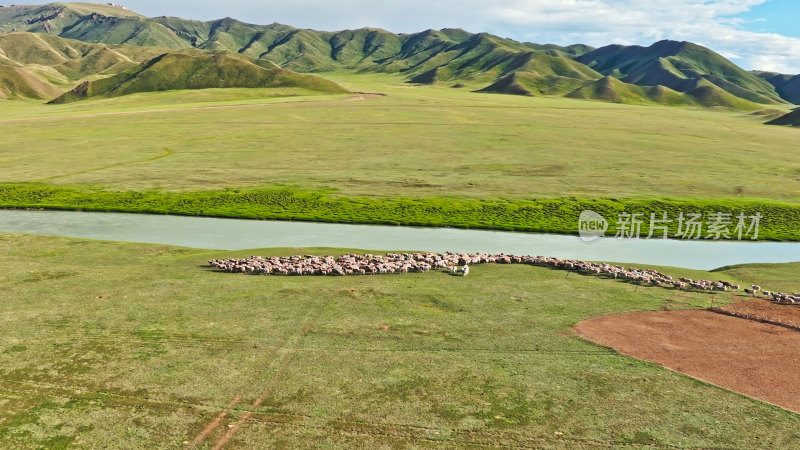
(234, 234)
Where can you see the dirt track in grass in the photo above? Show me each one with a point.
(756, 359)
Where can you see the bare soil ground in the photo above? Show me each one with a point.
(756, 359)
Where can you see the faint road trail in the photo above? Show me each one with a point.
(290, 345)
(166, 152)
(159, 110)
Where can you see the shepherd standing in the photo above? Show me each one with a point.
(465, 270)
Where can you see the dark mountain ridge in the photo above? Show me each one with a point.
(792, 119)
(787, 86)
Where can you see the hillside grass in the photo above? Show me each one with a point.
(174, 71)
(772, 275)
(130, 345)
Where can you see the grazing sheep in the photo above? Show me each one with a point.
(353, 264)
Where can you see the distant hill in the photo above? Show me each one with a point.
(41, 66)
(450, 56)
(570, 51)
(787, 86)
(532, 84)
(488, 59)
(792, 119)
(88, 22)
(66, 60)
(679, 66)
(17, 83)
(173, 71)
(610, 89)
(709, 94)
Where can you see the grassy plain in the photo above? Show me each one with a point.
(127, 345)
(414, 142)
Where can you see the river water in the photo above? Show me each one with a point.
(234, 234)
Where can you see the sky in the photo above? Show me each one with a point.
(755, 34)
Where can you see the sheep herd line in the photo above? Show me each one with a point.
(354, 264)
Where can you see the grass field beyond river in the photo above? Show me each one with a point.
(127, 345)
(779, 222)
(423, 155)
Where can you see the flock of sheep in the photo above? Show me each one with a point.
(353, 264)
(777, 297)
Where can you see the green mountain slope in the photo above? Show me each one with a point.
(679, 66)
(172, 71)
(489, 59)
(791, 119)
(70, 59)
(45, 66)
(704, 93)
(531, 83)
(787, 86)
(570, 51)
(18, 83)
(89, 22)
(610, 89)
(710, 95)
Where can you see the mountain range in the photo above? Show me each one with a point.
(41, 66)
(113, 40)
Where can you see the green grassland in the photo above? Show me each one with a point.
(418, 141)
(776, 276)
(130, 345)
(425, 155)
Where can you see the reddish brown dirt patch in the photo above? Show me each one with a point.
(757, 359)
(765, 310)
(361, 97)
